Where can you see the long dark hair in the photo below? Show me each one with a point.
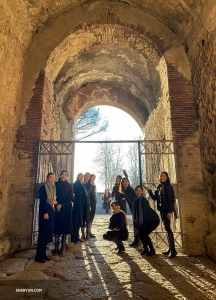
(77, 179)
(167, 176)
(64, 170)
(50, 173)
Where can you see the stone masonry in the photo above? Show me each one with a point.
(155, 60)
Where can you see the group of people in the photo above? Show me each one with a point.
(145, 219)
(64, 210)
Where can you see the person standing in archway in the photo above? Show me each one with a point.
(46, 217)
(80, 208)
(117, 192)
(63, 213)
(92, 194)
(164, 197)
(130, 197)
(145, 221)
(107, 197)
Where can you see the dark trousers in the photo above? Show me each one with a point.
(41, 248)
(166, 222)
(107, 207)
(145, 230)
(122, 235)
(123, 206)
(92, 212)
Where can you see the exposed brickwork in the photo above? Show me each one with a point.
(22, 193)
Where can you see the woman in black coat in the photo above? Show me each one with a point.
(63, 213)
(117, 192)
(164, 195)
(80, 208)
(118, 227)
(107, 197)
(145, 221)
(130, 197)
(46, 217)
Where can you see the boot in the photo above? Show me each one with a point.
(78, 238)
(88, 230)
(83, 233)
(56, 250)
(168, 250)
(61, 252)
(119, 245)
(91, 234)
(136, 239)
(172, 252)
(151, 247)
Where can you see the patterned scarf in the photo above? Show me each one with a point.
(50, 191)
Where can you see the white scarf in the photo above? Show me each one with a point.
(50, 191)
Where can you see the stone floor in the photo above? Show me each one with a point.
(91, 270)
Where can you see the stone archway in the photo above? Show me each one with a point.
(44, 107)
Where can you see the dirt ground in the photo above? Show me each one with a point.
(91, 270)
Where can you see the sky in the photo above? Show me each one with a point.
(121, 127)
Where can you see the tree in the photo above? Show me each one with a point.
(108, 163)
(90, 123)
(133, 162)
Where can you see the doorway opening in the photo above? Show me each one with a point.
(152, 157)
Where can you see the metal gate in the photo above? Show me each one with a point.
(154, 157)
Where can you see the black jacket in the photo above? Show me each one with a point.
(164, 199)
(63, 219)
(46, 227)
(81, 205)
(91, 194)
(130, 197)
(143, 213)
(118, 221)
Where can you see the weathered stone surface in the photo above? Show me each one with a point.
(111, 276)
(26, 254)
(28, 276)
(154, 60)
(13, 265)
(2, 275)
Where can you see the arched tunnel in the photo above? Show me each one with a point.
(154, 60)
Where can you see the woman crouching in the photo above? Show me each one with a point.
(145, 221)
(118, 227)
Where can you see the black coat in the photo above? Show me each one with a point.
(63, 219)
(143, 213)
(81, 205)
(91, 194)
(165, 199)
(46, 227)
(130, 197)
(118, 221)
